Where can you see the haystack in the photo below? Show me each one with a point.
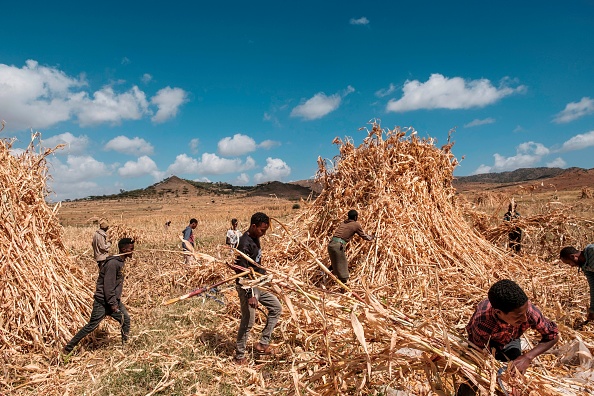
(42, 297)
(412, 289)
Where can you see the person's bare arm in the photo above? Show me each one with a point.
(524, 361)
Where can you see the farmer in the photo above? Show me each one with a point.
(249, 243)
(584, 260)
(343, 233)
(188, 235)
(233, 234)
(515, 235)
(100, 244)
(108, 294)
(500, 320)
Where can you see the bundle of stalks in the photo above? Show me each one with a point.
(542, 234)
(413, 287)
(42, 296)
(587, 193)
(118, 231)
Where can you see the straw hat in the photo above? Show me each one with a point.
(103, 224)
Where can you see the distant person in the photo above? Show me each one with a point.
(515, 235)
(107, 299)
(100, 244)
(188, 234)
(167, 224)
(500, 320)
(233, 234)
(249, 243)
(584, 260)
(342, 235)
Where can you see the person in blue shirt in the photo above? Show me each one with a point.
(188, 235)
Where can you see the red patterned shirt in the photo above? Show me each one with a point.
(486, 328)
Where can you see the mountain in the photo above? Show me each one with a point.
(548, 178)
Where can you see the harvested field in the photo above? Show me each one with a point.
(399, 327)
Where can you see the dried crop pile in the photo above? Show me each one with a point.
(413, 288)
(542, 234)
(41, 296)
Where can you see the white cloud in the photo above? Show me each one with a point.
(359, 21)
(209, 164)
(183, 164)
(168, 100)
(575, 110)
(578, 142)
(77, 169)
(518, 128)
(241, 180)
(275, 169)
(385, 92)
(320, 105)
(268, 144)
(557, 163)
(143, 166)
(125, 145)
(107, 106)
(477, 122)
(126, 61)
(194, 145)
(237, 145)
(74, 145)
(35, 96)
(440, 92)
(146, 78)
(39, 97)
(527, 155)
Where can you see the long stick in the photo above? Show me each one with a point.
(203, 289)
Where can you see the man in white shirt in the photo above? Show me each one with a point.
(233, 234)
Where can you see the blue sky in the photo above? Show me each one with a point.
(246, 92)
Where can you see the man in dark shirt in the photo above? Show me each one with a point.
(584, 260)
(108, 294)
(343, 233)
(498, 323)
(515, 234)
(249, 243)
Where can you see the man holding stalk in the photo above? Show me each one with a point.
(249, 297)
(342, 235)
(108, 294)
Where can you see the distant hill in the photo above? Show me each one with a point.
(176, 187)
(518, 175)
(277, 189)
(548, 178)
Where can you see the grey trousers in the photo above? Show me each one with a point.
(340, 265)
(99, 312)
(248, 315)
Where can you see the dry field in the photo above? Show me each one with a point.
(397, 329)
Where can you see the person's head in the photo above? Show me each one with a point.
(509, 302)
(104, 225)
(353, 215)
(193, 223)
(259, 223)
(570, 255)
(234, 223)
(126, 246)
